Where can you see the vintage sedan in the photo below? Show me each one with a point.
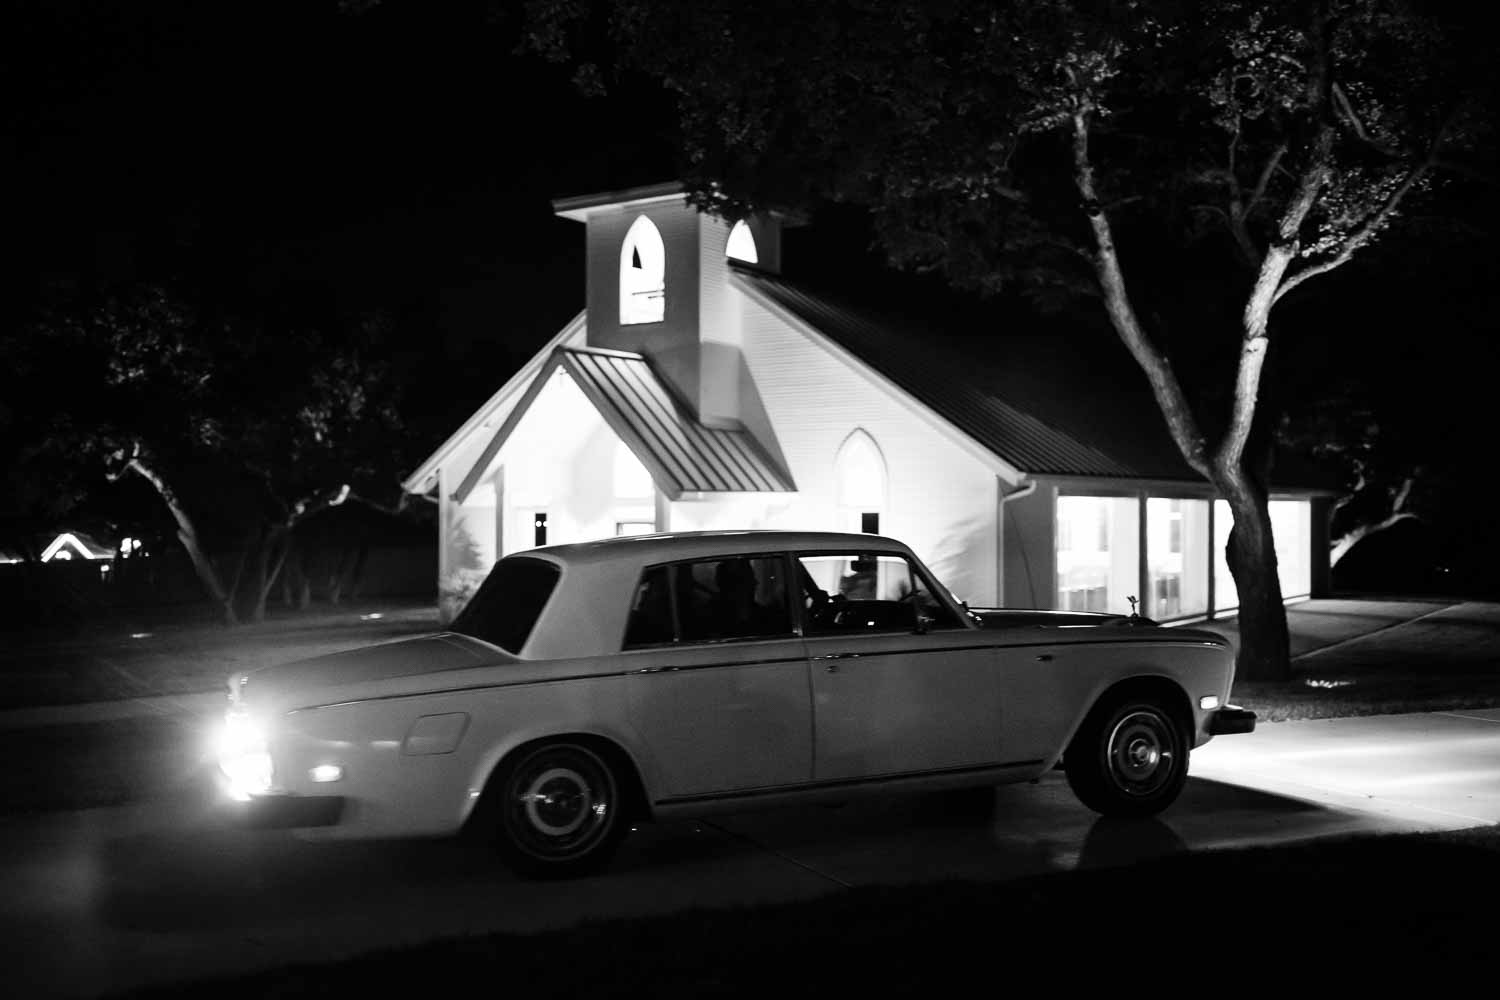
(589, 686)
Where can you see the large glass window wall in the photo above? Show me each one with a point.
(1098, 553)
(1177, 558)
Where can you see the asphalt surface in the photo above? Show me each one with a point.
(144, 882)
(119, 869)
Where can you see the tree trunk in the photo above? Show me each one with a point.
(187, 534)
(268, 568)
(357, 573)
(1265, 644)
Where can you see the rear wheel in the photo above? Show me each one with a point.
(555, 810)
(1129, 758)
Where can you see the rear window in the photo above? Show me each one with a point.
(506, 608)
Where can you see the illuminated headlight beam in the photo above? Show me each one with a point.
(244, 758)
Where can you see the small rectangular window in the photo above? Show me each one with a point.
(869, 522)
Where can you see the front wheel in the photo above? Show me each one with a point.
(555, 811)
(1129, 758)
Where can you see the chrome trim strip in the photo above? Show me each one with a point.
(544, 680)
(844, 782)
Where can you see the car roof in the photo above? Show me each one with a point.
(670, 546)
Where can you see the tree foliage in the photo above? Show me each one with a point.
(243, 426)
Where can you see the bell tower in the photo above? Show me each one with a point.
(658, 285)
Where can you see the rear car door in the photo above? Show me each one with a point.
(717, 676)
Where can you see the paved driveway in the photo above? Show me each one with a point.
(100, 900)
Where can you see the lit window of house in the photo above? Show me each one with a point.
(1291, 527)
(861, 484)
(643, 274)
(741, 245)
(1177, 557)
(1098, 553)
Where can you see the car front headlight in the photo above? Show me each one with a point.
(244, 756)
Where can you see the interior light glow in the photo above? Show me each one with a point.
(741, 245)
(326, 772)
(1208, 702)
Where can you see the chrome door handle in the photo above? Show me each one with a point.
(1044, 657)
(830, 660)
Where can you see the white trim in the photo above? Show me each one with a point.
(1165, 488)
(417, 482)
(580, 207)
(990, 460)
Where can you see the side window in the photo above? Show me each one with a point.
(651, 610)
(860, 592)
(732, 599)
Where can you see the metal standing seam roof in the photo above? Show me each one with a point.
(664, 435)
(682, 455)
(942, 384)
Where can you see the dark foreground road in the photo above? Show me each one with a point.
(120, 872)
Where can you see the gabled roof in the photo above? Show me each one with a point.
(682, 455)
(422, 480)
(1047, 403)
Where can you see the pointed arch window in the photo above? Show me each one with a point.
(741, 245)
(643, 274)
(860, 484)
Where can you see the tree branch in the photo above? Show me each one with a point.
(1368, 228)
(1279, 255)
(1262, 182)
(1164, 384)
(1346, 111)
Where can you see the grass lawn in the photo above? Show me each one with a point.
(1358, 910)
(144, 656)
(1356, 657)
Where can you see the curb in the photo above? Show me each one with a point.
(171, 706)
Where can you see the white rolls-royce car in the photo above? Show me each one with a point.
(589, 686)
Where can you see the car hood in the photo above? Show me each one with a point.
(288, 684)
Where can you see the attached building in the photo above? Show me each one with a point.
(700, 389)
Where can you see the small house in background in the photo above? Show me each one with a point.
(701, 389)
(76, 545)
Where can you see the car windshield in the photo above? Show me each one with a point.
(506, 608)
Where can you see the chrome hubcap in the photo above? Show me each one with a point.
(558, 801)
(1141, 756)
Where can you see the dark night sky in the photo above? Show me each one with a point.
(401, 157)
(405, 158)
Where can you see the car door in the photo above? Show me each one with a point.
(887, 698)
(717, 677)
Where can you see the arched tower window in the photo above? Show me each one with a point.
(741, 245)
(643, 274)
(860, 483)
